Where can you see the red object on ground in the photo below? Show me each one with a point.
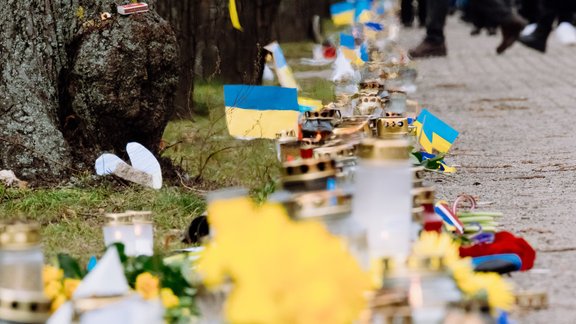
(504, 242)
(306, 153)
(329, 52)
(432, 222)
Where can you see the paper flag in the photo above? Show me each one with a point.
(283, 71)
(443, 209)
(309, 104)
(348, 48)
(106, 279)
(260, 111)
(362, 12)
(145, 169)
(433, 133)
(234, 15)
(342, 13)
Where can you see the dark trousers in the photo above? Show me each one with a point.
(437, 10)
(529, 10)
(491, 12)
(552, 9)
(407, 12)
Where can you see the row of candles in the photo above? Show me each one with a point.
(22, 297)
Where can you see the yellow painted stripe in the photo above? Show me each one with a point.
(248, 123)
(345, 18)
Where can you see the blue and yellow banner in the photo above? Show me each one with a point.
(342, 13)
(362, 11)
(260, 111)
(434, 134)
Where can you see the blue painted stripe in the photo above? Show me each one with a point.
(341, 7)
(347, 41)
(260, 97)
(374, 26)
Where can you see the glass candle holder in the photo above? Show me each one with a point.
(383, 201)
(120, 229)
(143, 233)
(432, 289)
(21, 287)
(397, 103)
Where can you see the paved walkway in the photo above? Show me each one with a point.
(516, 147)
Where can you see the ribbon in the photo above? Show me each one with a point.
(234, 15)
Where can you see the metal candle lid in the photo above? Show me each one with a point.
(23, 306)
(390, 127)
(308, 169)
(141, 217)
(426, 195)
(17, 236)
(335, 152)
(351, 125)
(384, 150)
(319, 204)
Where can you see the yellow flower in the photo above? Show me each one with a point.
(70, 286)
(283, 271)
(50, 273)
(52, 289)
(147, 285)
(169, 300)
(58, 301)
(491, 286)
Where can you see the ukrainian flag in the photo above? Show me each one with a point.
(348, 48)
(433, 133)
(371, 30)
(309, 104)
(362, 13)
(283, 71)
(260, 111)
(342, 13)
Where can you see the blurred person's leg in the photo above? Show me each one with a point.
(530, 10)
(406, 13)
(549, 11)
(434, 43)
(422, 12)
(499, 13)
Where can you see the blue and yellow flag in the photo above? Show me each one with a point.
(362, 13)
(260, 111)
(433, 133)
(348, 48)
(342, 13)
(283, 71)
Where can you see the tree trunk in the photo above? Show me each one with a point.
(217, 49)
(294, 23)
(73, 85)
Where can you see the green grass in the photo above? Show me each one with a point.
(71, 219)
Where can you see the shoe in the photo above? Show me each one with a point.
(510, 32)
(566, 33)
(492, 31)
(475, 31)
(536, 40)
(428, 49)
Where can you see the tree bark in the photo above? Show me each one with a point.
(294, 23)
(216, 49)
(73, 85)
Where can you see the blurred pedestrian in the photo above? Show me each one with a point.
(499, 13)
(407, 12)
(496, 12)
(552, 10)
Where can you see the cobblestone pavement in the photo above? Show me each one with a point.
(516, 147)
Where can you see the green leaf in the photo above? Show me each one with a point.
(70, 266)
